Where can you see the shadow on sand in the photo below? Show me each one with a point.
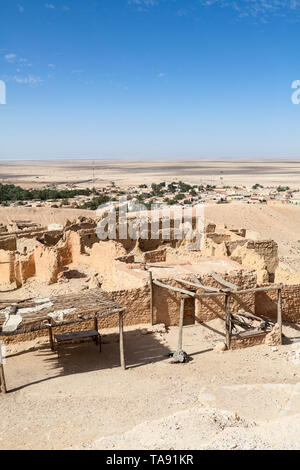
(84, 357)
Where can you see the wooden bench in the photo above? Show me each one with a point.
(77, 336)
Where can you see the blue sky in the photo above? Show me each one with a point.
(149, 79)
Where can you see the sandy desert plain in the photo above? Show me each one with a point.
(126, 172)
(238, 399)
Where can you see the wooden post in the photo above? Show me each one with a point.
(227, 320)
(122, 358)
(96, 323)
(2, 379)
(51, 338)
(151, 297)
(279, 312)
(180, 323)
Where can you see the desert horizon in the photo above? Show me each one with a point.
(82, 172)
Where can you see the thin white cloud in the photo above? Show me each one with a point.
(10, 57)
(51, 6)
(161, 75)
(28, 80)
(52, 66)
(257, 8)
(143, 5)
(20, 8)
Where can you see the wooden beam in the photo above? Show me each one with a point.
(151, 297)
(279, 311)
(175, 289)
(181, 315)
(198, 285)
(202, 286)
(227, 320)
(122, 358)
(223, 282)
(2, 379)
(242, 291)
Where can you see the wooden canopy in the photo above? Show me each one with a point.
(31, 315)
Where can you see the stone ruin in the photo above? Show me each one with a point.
(122, 266)
(30, 250)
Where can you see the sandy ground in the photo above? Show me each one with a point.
(124, 172)
(246, 398)
(76, 279)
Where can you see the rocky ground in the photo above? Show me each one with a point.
(247, 398)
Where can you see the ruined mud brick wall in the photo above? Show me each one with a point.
(259, 255)
(155, 256)
(137, 303)
(7, 271)
(24, 268)
(47, 264)
(266, 303)
(8, 243)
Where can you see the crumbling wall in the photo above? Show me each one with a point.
(259, 255)
(7, 272)
(103, 258)
(24, 268)
(266, 303)
(8, 243)
(47, 264)
(155, 256)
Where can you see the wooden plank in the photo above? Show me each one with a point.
(175, 289)
(151, 297)
(2, 379)
(227, 320)
(279, 312)
(181, 315)
(197, 285)
(242, 291)
(249, 334)
(122, 357)
(223, 282)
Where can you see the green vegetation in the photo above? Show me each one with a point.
(10, 192)
(94, 203)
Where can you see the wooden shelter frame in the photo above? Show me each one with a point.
(228, 290)
(44, 321)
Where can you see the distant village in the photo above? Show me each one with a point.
(176, 192)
